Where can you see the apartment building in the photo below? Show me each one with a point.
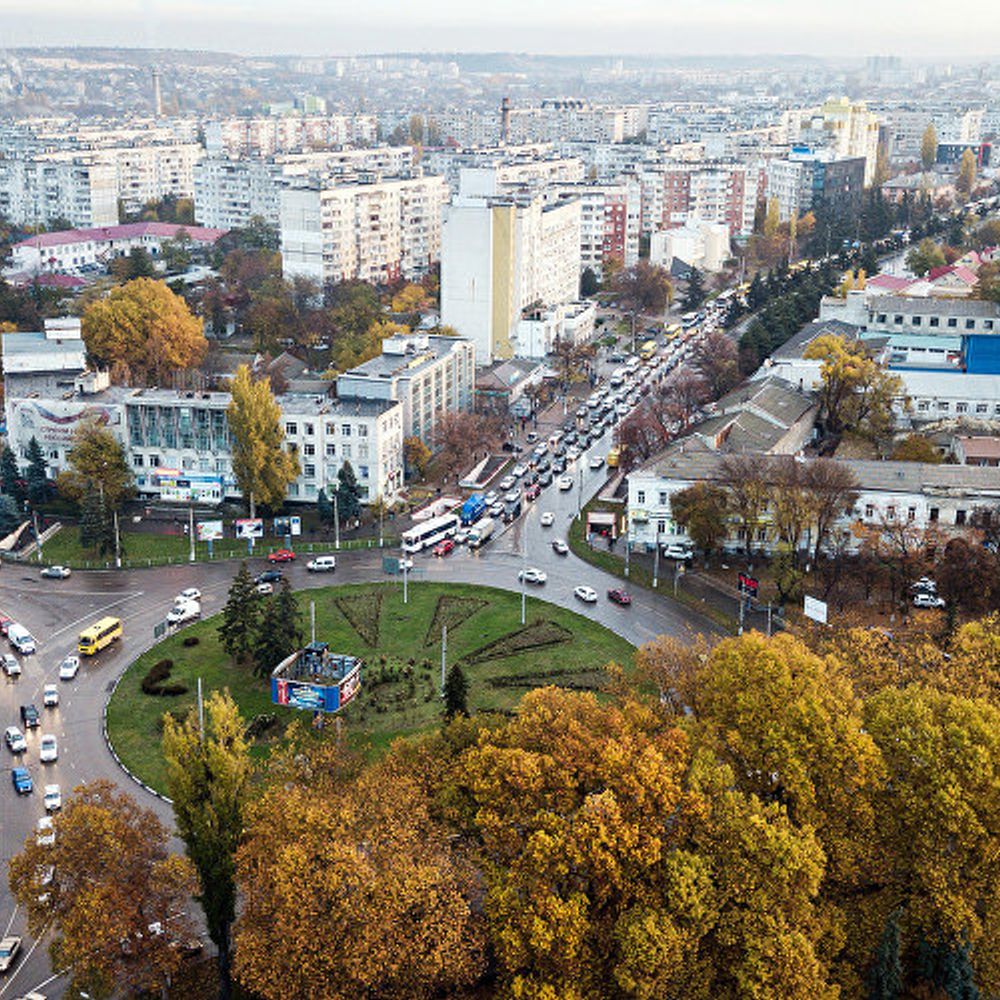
(38, 192)
(847, 129)
(376, 231)
(428, 375)
(501, 255)
(808, 180)
(266, 135)
(609, 225)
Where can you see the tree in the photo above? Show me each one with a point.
(97, 464)
(460, 436)
(643, 288)
(589, 285)
(417, 456)
(324, 507)
(831, 491)
(137, 264)
(695, 294)
(348, 493)
(924, 257)
(240, 616)
(10, 474)
(988, 283)
(928, 147)
(885, 977)
(456, 693)
(37, 475)
(856, 391)
(715, 359)
(681, 395)
(702, 511)
(208, 775)
(146, 328)
(96, 524)
(966, 179)
(261, 465)
(10, 514)
(111, 879)
(279, 632)
(915, 448)
(745, 477)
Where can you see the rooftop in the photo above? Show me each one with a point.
(980, 447)
(127, 231)
(406, 356)
(794, 347)
(934, 307)
(775, 399)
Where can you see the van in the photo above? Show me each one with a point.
(21, 639)
(322, 564)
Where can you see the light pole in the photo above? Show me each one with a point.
(336, 523)
(524, 571)
(656, 559)
(404, 579)
(191, 531)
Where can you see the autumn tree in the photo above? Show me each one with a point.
(643, 288)
(417, 456)
(831, 491)
(459, 437)
(110, 879)
(924, 257)
(856, 392)
(716, 360)
(682, 393)
(146, 328)
(97, 464)
(745, 477)
(915, 448)
(702, 510)
(354, 888)
(261, 465)
(789, 504)
(966, 179)
(208, 776)
(928, 147)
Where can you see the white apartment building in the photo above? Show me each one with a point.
(609, 222)
(449, 161)
(704, 245)
(539, 329)
(41, 191)
(847, 128)
(428, 375)
(265, 135)
(907, 128)
(501, 255)
(505, 176)
(377, 232)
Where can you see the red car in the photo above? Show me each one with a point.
(282, 555)
(5, 623)
(443, 548)
(533, 492)
(622, 597)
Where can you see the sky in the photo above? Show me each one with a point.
(918, 28)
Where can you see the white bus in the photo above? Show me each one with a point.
(429, 533)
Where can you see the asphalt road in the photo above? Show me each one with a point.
(56, 610)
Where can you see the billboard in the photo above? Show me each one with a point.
(185, 487)
(815, 609)
(249, 527)
(208, 531)
(53, 421)
(316, 697)
(287, 526)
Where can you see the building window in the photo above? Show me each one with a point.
(310, 472)
(961, 407)
(911, 514)
(915, 320)
(345, 450)
(923, 405)
(661, 527)
(137, 461)
(981, 407)
(331, 450)
(890, 513)
(331, 429)
(932, 514)
(898, 320)
(291, 428)
(952, 322)
(942, 405)
(309, 450)
(970, 324)
(959, 517)
(934, 321)
(345, 429)
(663, 498)
(362, 430)
(363, 471)
(309, 430)
(640, 496)
(869, 511)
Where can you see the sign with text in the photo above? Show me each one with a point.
(287, 526)
(249, 527)
(208, 531)
(749, 584)
(814, 609)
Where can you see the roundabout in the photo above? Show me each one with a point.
(401, 646)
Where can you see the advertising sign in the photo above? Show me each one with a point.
(349, 687)
(185, 487)
(300, 694)
(749, 584)
(54, 421)
(249, 527)
(287, 526)
(208, 531)
(815, 609)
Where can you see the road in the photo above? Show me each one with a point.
(56, 610)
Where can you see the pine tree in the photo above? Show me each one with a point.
(10, 514)
(96, 527)
(885, 977)
(456, 693)
(695, 290)
(10, 475)
(278, 633)
(324, 506)
(37, 475)
(348, 493)
(240, 616)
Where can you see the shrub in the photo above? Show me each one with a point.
(538, 635)
(191, 640)
(154, 683)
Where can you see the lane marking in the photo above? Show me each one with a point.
(96, 611)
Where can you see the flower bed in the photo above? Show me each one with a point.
(537, 635)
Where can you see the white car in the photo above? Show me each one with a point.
(184, 611)
(264, 588)
(461, 537)
(9, 947)
(532, 575)
(676, 551)
(15, 740)
(53, 798)
(565, 483)
(48, 752)
(928, 601)
(548, 519)
(406, 564)
(587, 594)
(519, 470)
(68, 668)
(491, 498)
(50, 696)
(190, 594)
(322, 564)
(572, 453)
(11, 665)
(926, 584)
(597, 461)
(46, 835)
(560, 547)
(507, 483)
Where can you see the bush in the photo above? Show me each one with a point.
(154, 683)
(191, 640)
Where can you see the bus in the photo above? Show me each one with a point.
(614, 457)
(428, 534)
(673, 331)
(647, 350)
(99, 635)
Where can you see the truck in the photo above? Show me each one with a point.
(482, 532)
(473, 509)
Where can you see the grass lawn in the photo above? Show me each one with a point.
(401, 646)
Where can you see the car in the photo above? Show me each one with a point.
(581, 412)
(21, 780)
(264, 589)
(185, 611)
(547, 519)
(532, 575)
(52, 798)
(68, 668)
(559, 464)
(443, 547)
(618, 596)
(586, 594)
(572, 454)
(188, 594)
(269, 576)
(29, 716)
(9, 947)
(507, 483)
(559, 547)
(513, 497)
(597, 461)
(5, 623)
(45, 832)
(406, 563)
(14, 738)
(496, 509)
(541, 451)
(461, 537)
(543, 466)
(533, 492)
(491, 498)
(928, 601)
(50, 696)
(565, 483)
(545, 479)
(281, 556)
(531, 437)
(925, 584)
(48, 751)
(622, 409)
(56, 572)
(321, 564)
(21, 639)
(11, 665)
(683, 553)
(519, 470)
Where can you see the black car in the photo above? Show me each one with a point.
(543, 466)
(570, 439)
(29, 716)
(560, 449)
(559, 463)
(268, 576)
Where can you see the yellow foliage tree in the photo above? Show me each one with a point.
(144, 332)
(410, 298)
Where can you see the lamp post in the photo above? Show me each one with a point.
(336, 523)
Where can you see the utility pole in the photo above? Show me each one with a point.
(656, 561)
(118, 551)
(524, 570)
(312, 618)
(444, 656)
(404, 579)
(38, 537)
(191, 531)
(336, 523)
(628, 547)
(381, 513)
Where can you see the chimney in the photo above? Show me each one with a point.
(157, 93)
(505, 121)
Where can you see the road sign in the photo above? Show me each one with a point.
(160, 629)
(814, 609)
(748, 584)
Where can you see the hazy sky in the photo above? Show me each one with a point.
(848, 27)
